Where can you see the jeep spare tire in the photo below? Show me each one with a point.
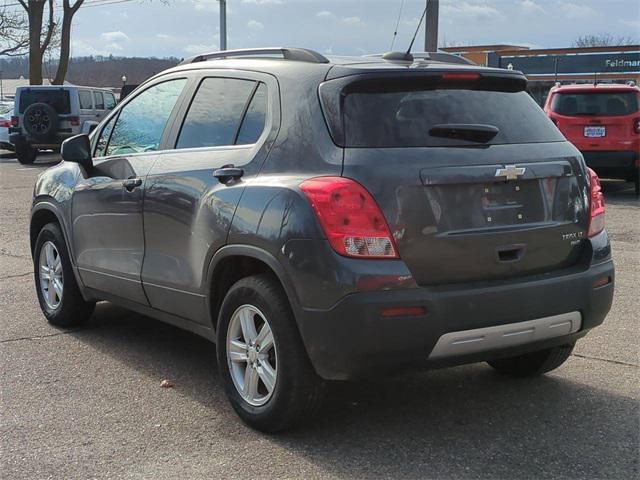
(40, 121)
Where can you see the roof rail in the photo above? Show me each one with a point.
(296, 54)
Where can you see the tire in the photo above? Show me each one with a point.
(26, 154)
(535, 363)
(40, 121)
(68, 309)
(298, 391)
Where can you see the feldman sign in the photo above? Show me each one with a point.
(623, 62)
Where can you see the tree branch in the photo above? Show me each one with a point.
(50, 29)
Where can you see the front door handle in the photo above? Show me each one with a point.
(131, 183)
(227, 173)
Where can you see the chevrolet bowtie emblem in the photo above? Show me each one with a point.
(510, 171)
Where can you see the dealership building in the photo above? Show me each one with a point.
(543, 67)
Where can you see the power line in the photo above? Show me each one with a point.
(395, 32)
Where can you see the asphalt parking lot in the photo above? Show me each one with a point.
(87, 403)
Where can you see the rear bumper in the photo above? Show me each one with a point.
(616, 164)
(352, 339)
(19, 139)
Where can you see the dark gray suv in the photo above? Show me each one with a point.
(328, 219)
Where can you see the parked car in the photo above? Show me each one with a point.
(603, 122)
(47, 115)
(6, 110)
(328, 219)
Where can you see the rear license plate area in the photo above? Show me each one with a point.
(511, 203)
(595, 132)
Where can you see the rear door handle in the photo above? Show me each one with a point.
(131, 183)
(227, 173)
(510, 253)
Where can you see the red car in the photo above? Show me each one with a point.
(603, 122)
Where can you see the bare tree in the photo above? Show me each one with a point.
(602, 40)
(39, 39)
(14, 39)
(65, 39)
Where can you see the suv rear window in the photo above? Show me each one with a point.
(58, 99)
(595, 103)
(404, 117)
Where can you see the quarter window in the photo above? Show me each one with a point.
(142, 121)
(215, 113)
(86, 102)
(255, 118)
(103, 138)
(99, 100)
(109, 101)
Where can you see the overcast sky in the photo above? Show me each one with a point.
(185, 27)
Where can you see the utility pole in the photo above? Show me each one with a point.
(223, 24)
(431, 26)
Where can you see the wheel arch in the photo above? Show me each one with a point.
(41, 214)
(46, 212)
(234, 262)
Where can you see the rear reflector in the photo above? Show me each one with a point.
(403, 311)
(601, 282)
(350, 217)
(596, 204)
(460, 77)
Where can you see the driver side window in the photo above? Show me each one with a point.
(141, 122)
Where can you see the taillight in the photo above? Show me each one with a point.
(15, 121)
(596, 204)
(636, 125)
(350, 217)
(75, 121)
(460, 77)
(5, 123)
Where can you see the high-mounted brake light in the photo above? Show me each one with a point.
(460, 77)
(350, 217)
(596, 204)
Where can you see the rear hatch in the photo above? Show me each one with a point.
(593, 120)
(473, 179)
(57, 98)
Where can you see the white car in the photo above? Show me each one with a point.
(6, 111)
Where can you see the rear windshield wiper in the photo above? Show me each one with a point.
(466, 131)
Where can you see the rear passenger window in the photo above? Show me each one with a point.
(86, 102)
(99, 100)
(215, 113)
(254, 120)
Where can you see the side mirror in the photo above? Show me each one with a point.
(77, 149)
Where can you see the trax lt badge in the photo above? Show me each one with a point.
(510, 171)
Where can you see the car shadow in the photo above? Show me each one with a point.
(619, 192)
(465, 422)
(44, 160)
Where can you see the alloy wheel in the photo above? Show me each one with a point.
(251, 355)
(51, 277)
